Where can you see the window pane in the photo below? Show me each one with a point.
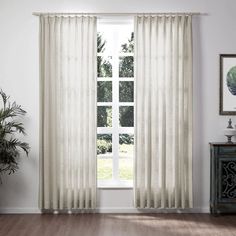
(128, 44)
(104, 67)
(126, 66)
(126, 92)
(126, 116)
(104, 156)
(126, 149)
(104, 91)
(104, 116)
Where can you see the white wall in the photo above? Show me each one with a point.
(213, 34)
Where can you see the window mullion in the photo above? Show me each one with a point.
(124, 79)
(105, 79)
(104, 130)
(130, 104)
(104, 104)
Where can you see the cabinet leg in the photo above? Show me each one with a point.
(214, 212)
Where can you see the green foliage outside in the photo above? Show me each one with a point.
(104, 116)
(104, 91)
(106, 137)
(126, 91)
(126, 116)
(104, 67)
(100, 43)
(126, 139)
(103, 146)
(129, 46)
(126, 67)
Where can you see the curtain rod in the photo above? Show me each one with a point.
(117, 14)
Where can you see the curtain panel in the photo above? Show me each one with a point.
(163, 112)
(68, 112)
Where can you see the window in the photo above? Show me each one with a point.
(115, 104)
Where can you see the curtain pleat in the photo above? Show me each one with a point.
(163, 112)
(68, 112)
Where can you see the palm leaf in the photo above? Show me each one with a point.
(10, 146)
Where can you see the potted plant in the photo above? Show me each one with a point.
(10, 126)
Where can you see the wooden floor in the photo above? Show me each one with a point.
(118, 224)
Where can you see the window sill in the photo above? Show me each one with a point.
(115, 187)
(115, 184)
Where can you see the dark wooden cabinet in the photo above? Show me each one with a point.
(223, 178)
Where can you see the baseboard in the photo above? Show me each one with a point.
(138, 211)
(111, 210)
(20, 210)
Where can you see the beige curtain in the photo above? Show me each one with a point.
(68, 112)
(163, 112)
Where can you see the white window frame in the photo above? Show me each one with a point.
(115, 130)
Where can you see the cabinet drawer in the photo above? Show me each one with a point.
(227, 150)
